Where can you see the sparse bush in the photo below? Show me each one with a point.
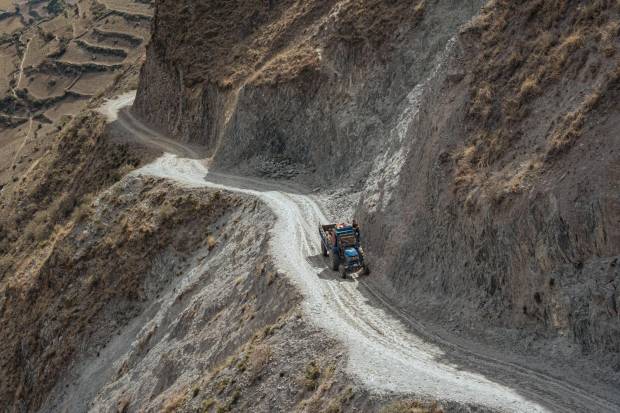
(242, 365)
(481, 102)
(259, 359)
(221, 385)
(167, 210)
(98, 10)
(38, 228)
(529, 87)
(173, 403)
(6, 264)
(311, 376)
(195, 391)
(267, 331)
(573, 41)
(234, 398)
(55, 6)
(62, 206)
(211, 242)
(208, 403)
(557, 40)
(82, 210)
(412, 406)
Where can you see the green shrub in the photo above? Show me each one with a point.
(55, 7)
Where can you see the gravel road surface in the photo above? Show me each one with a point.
(389, 351)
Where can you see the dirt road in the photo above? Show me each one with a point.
(21, 68)
(389, 351)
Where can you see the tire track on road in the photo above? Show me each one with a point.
(389, 350)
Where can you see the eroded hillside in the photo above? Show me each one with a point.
(57, 56)
(509, 188)
(476, 144)
(308, 84)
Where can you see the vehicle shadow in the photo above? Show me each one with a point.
(319, 261)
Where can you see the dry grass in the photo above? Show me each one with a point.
(71, 281)
(529, 87)
(312, 373)
(211, 242)
(174, 402)
(374, 23)
(38, 228)
(271, 42)
(259, 359)
(481, 103)
(43, 202)
(412, 406)
(288, 65)
(242, 38)
(570, 129)
(324, 394)
(608, 35)
(208, 403)
(521, 52)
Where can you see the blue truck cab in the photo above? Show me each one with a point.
(342, 243)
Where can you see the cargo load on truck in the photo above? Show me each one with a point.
(341, 242)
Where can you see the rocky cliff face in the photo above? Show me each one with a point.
(507, 203)
(309, 84)
(480, 142)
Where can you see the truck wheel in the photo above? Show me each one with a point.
(323, 250)
(335, 261)
(343, 272)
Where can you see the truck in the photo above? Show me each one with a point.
(342, 243)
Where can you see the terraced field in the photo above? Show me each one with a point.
(54, 58)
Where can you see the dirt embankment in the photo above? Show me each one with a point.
(480, 142)
(40, 213)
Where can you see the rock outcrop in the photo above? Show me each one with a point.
(313, 84)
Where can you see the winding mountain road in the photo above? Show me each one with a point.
(389, 350)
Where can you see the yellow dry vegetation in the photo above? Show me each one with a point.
(412, 406)
(519, 52)
(174, 402)
(271, 42)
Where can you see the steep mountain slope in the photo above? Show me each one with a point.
(479, 143)
(56, 56)
(509, 190)
(129, 292)
(475, 143)
(105, 276)
(313, 84)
